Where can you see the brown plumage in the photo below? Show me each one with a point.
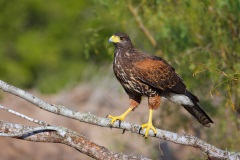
(145, 75)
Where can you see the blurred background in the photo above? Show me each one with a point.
(59, 51)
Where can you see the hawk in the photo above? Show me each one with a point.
(151, 76)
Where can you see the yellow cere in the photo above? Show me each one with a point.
(114, 39)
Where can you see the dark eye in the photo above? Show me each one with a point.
(121, 38)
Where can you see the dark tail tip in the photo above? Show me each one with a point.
(206, 122)
(197, 111)
(199, 114)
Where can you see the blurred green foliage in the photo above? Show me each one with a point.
(50, 44)
(47, 45)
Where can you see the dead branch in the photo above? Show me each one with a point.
(56, 134)
(188, 140)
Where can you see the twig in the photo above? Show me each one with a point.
(25, 117)
(141, 25)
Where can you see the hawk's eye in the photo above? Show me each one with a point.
(121, 38)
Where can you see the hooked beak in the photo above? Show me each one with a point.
(114, 39)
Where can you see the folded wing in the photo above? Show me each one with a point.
(157, 73)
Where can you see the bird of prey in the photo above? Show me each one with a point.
(151, 76)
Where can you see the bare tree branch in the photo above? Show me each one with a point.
(188, 140)
(56, 134)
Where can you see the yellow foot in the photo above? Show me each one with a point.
(148, 126)
(120, 118)
(115, 118)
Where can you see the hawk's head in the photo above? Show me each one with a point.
(120, 40)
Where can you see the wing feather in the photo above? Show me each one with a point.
(157, 73)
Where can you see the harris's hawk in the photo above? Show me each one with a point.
(146, 75)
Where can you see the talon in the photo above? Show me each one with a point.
(119, 123)
(139, 130)
(123, 131)
(111, 126)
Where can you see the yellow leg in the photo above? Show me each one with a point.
(121, 117)
(149, 125)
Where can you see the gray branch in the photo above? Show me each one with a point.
(188, 140)
(56, 134)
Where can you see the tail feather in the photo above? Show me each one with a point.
(191, 96)
(197, 111)
(199, 114)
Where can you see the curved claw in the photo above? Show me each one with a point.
(139, 130)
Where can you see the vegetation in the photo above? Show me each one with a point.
(49, 45)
